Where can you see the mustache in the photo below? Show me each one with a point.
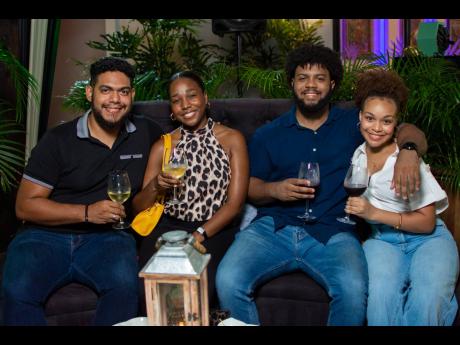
(310, 89)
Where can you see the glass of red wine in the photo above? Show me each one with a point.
(355, 184)
(309, 171)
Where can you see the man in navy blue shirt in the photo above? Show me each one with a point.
(62, 199)
(278, 241)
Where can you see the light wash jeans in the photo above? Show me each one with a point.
(259, 254)
(38, 262)
(412, 277)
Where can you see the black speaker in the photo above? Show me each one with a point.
(224, 26)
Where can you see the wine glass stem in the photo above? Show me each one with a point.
(175, 196)
(120, 221)
(307, 207)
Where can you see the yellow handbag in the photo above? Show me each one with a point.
(146, 220)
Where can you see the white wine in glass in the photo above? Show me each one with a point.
(176, 167)
(176, 172)
(119, 190)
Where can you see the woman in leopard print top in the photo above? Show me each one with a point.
(215, 184)
(205, 183)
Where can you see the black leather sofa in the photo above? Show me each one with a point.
(291, 299)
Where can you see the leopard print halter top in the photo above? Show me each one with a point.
(206, 179)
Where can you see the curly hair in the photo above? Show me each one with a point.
(381, 83)
(111, 64)
(312, 54)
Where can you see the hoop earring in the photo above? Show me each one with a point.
(173, 118)
(358, 124)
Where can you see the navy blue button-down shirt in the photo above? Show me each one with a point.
(276, 150)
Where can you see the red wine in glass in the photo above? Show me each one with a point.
(309, 171)
(355, 189)
(355, 184)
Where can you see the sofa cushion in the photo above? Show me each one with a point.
(292, 299)
(72, 295)
(244, 114)
(299, 285)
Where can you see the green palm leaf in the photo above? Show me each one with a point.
(11, 152)
(217, 76)
(272, 83)
(434, 106)
(21, 79)
(11, 155)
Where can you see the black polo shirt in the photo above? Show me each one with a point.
(76, 166)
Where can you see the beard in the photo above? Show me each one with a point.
(315, 110)
(103, 123)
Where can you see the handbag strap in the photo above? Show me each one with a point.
(166, 154)
(166, 148)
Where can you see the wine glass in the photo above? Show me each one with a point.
(119, 190)
(355, 184)
(176, 167)
(309, 171)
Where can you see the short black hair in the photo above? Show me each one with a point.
(314, 54)
(381, 83)
(192, 76)
(189, 75)
(111, 64)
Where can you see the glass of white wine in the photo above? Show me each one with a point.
(176, 167)
(119, 190)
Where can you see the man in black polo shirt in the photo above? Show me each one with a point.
(62, 199)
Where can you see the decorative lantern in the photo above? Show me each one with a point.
(176, 282)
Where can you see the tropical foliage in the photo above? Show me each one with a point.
(162, 47)
(158, 49)
(268, 49)
(434, 106)
(11, 151)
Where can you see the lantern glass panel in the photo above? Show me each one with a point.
(172, 300)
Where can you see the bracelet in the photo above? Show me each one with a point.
(86, 213)
(397, 227)
(202, 232)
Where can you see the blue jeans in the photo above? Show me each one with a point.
(38, 262)
(412, 277)
(260, 254)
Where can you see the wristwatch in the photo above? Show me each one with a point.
(409, 146)
(203, 233)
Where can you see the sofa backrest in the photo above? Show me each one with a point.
(244, 114)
